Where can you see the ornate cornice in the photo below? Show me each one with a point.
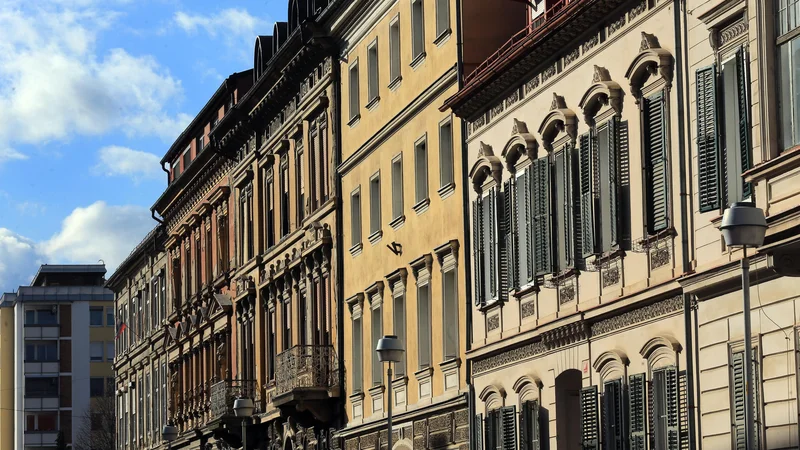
(635, 316)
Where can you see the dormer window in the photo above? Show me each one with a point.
(186, 158)
(201, 143)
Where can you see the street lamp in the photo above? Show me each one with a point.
(390, 350)
(243, 407)
(744, 225)
(169, 433)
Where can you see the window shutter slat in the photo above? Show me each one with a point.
(673, 432)
(739, 404)
(613, 184)
(743, 82)
(509, 427)
(536, 433)
(510, 235)
(613, 416)
(651, 412)
(589, 426)
(708, 163)
(525, 201)
(636, 411)
(478, 432)
(586, 196)
(540, 192)
(493, 244)
(656, 163)
(477, 249)
(525, 435)
(488, 248)
(683, 404)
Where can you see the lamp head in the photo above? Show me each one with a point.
(169, 433)
(743, 225)
(243, 407)
(390, 349)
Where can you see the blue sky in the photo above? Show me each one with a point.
(92, 93)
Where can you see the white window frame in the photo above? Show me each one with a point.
(417, 32)
(373, 74)
(375, 205)
(356, 218)
(446, 161)
(395, 52)
(354, 100)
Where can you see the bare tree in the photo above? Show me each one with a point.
(98, 431)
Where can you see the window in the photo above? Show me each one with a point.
(788, 43)
(269, 226)
(201, 143)
(533, 426)
(300, 180)
(394, 51)
(110, 351)
(353, 86)
(450, 309)
(484, 213)
(397, 186)
(355, 217)
(377, 333)
(442, 17)
(614, 421)
(399, 327)
(286, 312)
(358, 348)
(44, 421)
(373, 87)
(417, 31)
(246, 238)
(421, 170)
(599, 188)
(284, 196)
(319, 166)
(562, 223)
(446, 153)
(41, 351)
(738, 400)
(186, 157)
(655, 163)
(375, 204)
(723, 132)
(41, 387)
(424, 322)
(271, 344)
(110, 317)
(96, 386)
(96, 316)
(501, 428)
(96, 351)
(46, 316)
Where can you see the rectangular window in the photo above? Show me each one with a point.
(664, 403)
(186, 158)
(377, 333)
(446, 153)
(109, 351)
(284, 196)
(562, 190)
(533, 426)
(110, 317)
(655, 164)
(421, 170)
(300, 180)
(96, 350)
(424, 325)
(450, 308)
(358, 349)
(738, 399)
(353, 87)
(501, 429)
(375, 203)
(96, 386)
(397, 186)
(41, 351)
(286, 313)
(355, 217)
(269, 226)
(614, 421)
(96, 316)
(394, 50)
(373, 83)
(201, 143)
(41, 387)
(41, 316)
(271, 344)
(417, 30)
(442, 17)
(399, 328)
(788, 44)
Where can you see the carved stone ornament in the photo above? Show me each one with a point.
(528, 309)
(643, 314)
(659, 257)
(600, 74)
(610, 276)
(566, 335)
(558, 102)
(652, 60)
(493, 322)
(649, 41)
(508, 357)
(487, 165)
(519, 127)
(604, 91)
(559, 119)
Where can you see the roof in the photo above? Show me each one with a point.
(68, 268)
(63, 294)
(153, 239)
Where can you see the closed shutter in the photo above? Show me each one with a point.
(540, 192)
(487, 274)
(509, 427)
(510, 231)
(525, 435)
(586, 232)
(478, 433)
(565, 253)
(636, 411)
(589, 426)
(683, 413)
(655, 155)
(743, 82)
(708, 164)
(494, 240)
(651, 408)
(673, 431)
(525, 229)
(739, 404)
(625, 186)
(534, 418)
(614, 435)
(477, 250)
(611, 225)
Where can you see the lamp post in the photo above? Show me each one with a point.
(744, 225)
(390, 350)
(169, 433)
(243, 407)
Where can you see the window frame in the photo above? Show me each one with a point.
(92, 349)
(446, 156)
(375, 225)
(353, 94)
(421, 176)
(395, 52)
(417, 32)
(95, 309)
(443, 27)
(356, 219)
(373, 74)
(397, 188)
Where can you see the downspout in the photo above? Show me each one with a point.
(337, 157)
(467, 243)
(153, 215)
(680, 22)
(166, 171)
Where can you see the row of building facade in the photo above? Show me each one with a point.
(527, 194)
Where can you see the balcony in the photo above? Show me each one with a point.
(41, 367)
(41, 331)
(306, 372)
(40, 438)
(41, 402)
(224, 393)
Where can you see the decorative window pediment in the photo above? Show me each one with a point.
(603, 92)
(487, 165)
(661, 352)
(528, 388)
(652, 61)
(559, 119)
(522, 142)
(492, 397)
(611, 365)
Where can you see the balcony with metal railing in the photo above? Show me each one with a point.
(306, 373)
(224, 393)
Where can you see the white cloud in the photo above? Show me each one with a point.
(9, 154)
(55, 84)
(32, 209)
(98, 231)
(236, 26)
(123, 161)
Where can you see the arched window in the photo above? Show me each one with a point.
(664, 396)
(500, 424)
(486, 176)
(534, 420)
(612, 367)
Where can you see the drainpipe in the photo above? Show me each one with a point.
(680, 22)
(337, 157)
(166, 171)
(153, 215)
(466, 244)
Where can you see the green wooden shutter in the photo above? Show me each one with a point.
(708, 163)
(738, 405)
(478, 433)
(651, 409)
(655, 156)
(589, 426)
(571, 212)
(636, 411)
(477, 250)
(673, 431)
(509, 427)
(683, 413)
(525, 437)
(535, 434)
(510, 232)
(492, 218)
(756, 396)
(614, 435)
(613, 219)
(625, 186)
(523, 251)
(540, 187)
(586, 233)
(743, 82)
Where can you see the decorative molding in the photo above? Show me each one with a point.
(549, 72)
(532, 84)
(635, 316)
(659, 257)
(566, 335)
(493, 322)
(637, 10)
(591, 42)
(508, 357)
(528, 309)
(731, 33)
(610, 276)
(616, 25)
(572, 56)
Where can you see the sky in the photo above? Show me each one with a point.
(92, 94)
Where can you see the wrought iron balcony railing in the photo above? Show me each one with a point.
(306, 367)
(224, 393)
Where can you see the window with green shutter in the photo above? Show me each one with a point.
(478, 432)
(563, 203)
(533, 426)
(655, 163)
(614, 416)
(587, 195)
(637, 388)
(738, 402)
(590, 433)
(508, 424)
(735, 115)
(477, 251)
(665, 413)
(541, 223)
(511, 232)
(707, 146)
